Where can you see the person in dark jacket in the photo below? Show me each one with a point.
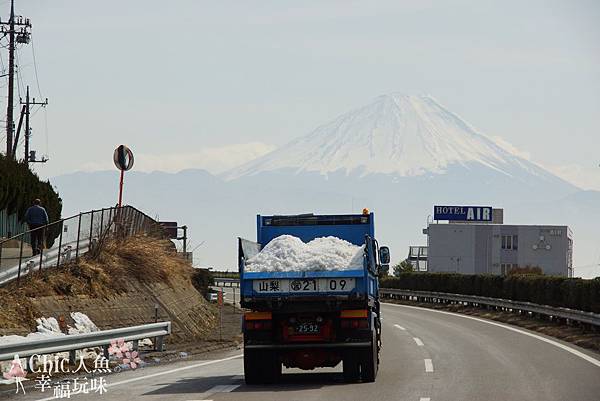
(36, 217)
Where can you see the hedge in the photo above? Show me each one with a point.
(574, 293)
(19, 186)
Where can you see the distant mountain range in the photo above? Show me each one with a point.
(399, 155)
(399, 135)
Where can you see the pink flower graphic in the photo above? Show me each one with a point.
(122, 350)
(118, 347)
(132, 359)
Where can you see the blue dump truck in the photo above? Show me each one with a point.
(309, 319)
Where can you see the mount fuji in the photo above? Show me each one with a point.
(399, 156)
(396, 135)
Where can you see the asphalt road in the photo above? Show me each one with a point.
(427, 355)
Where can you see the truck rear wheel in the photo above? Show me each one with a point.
(252, 371)
(261, 367)
(273, 369)
(351, 366)
(370, 363)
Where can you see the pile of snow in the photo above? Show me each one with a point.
(49, 327)
(46, 327)
(83, 324)
(288, 253)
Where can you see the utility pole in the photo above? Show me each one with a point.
(26, 109)
(21, 35)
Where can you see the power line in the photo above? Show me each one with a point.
(17, 30)
(37, 81)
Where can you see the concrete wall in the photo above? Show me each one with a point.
(477, 248)
(192, 317)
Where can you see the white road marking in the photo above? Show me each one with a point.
(223, 388)
(399, 327)
(418, 341)
(564, 347)
(424, 399)
(428, 366)
(135, 379)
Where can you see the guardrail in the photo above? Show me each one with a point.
(75, 342)
(556, 313)
(69, 238)
(226, 282)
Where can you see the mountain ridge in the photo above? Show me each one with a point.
(396, 134)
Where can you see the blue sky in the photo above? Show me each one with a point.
(192, 83)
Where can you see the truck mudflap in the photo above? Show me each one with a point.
(365, 344)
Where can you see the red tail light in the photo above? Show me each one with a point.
(354, 324)
(259, 325)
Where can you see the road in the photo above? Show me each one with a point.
(428, 355)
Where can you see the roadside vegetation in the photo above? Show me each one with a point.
(19, 186)
(564, 292)
(129, 266)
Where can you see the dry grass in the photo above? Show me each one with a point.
(142, 258)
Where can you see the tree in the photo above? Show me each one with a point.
(403, 267)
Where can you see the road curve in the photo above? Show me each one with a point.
(427, 355)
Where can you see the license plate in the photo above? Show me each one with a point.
(305, 285)
(307, 328)
(298, 286)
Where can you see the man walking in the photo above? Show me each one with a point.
(36, 217)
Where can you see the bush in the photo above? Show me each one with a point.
(202, 280)
(573, 293)
(404, 266)
(19, 186)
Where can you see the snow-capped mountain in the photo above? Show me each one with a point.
(398, 156)
(395, 134)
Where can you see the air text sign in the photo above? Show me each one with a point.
(463, 213)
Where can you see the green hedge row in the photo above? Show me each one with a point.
(19, 186)
(571, 293)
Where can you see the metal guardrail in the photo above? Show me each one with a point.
(507, 304)
(226, 282)
(69, 238)
(74, 342)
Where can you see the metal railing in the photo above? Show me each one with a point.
(69, 238)
(75, 342)
(10, 224)
(556, 313)
(226, 282)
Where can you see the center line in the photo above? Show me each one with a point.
(399, 327)
(428, 366)
(424, 399)
(418, 341)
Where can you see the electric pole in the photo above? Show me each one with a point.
(29, 155)
(17, 33)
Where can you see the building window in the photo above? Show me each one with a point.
(510, 242)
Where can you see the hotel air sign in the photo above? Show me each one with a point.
(463, 213)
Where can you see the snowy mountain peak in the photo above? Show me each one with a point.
(397, 134)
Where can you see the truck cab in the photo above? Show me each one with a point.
(309, 319)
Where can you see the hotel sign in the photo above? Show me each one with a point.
(463, 213)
